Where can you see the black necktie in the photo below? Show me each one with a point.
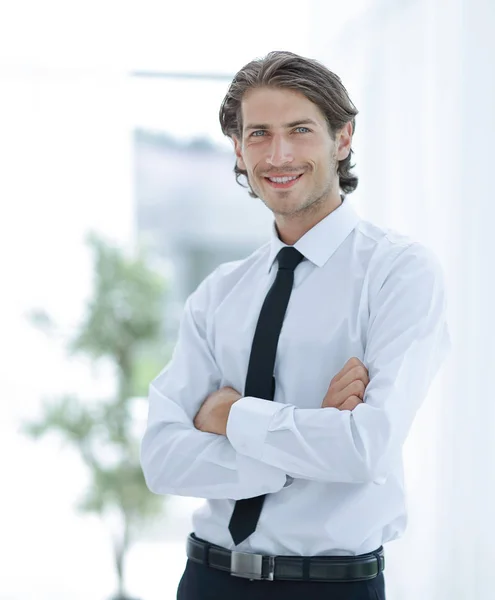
(260, 382)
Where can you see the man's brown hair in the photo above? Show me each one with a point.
(282, 69)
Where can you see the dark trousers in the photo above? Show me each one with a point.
(200, 582)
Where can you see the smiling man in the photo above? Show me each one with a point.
(298, 370)
(290, 156)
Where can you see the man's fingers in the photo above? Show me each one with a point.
(351, 381)
(358, 373)
(335, 399)
(351, 364)
(351, 403)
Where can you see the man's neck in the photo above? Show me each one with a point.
(291, 229)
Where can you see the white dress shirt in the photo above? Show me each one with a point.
(334, 478)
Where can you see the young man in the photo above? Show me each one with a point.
(298, 371)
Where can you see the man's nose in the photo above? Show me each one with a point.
(280, 152)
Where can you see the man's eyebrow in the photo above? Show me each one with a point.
(287, 125)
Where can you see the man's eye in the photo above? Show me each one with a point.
(262, 132)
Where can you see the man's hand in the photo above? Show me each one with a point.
(214, 412)
(347, 388)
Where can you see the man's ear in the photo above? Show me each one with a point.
(238, 152)
(344, 141)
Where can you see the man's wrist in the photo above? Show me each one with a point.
(248, 423)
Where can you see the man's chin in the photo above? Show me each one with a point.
(289, 208)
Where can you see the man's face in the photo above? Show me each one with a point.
(286, 135)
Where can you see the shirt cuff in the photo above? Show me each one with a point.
(248, 422)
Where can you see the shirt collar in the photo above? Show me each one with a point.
(321, 241)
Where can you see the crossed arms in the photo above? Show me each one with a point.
(205, 441)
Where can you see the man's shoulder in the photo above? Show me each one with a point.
(384, 238)
(386, 244)
(392, 253)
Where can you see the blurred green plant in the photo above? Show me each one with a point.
(124, 325)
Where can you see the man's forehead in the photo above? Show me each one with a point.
(278, 107)
(274, 97)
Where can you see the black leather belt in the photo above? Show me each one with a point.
(293, 568)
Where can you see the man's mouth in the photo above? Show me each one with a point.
(283, 182)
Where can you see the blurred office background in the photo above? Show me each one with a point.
(94, 136)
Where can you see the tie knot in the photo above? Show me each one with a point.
(288, 258)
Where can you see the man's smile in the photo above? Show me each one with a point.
(283, 181)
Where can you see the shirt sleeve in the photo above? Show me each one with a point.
(177, 458)
(407, 341)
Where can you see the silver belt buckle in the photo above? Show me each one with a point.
(250, 566)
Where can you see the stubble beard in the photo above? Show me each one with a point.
(310, 205)
(313, 203)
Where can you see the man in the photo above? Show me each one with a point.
(297, 371)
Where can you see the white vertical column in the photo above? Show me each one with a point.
(468, 520)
